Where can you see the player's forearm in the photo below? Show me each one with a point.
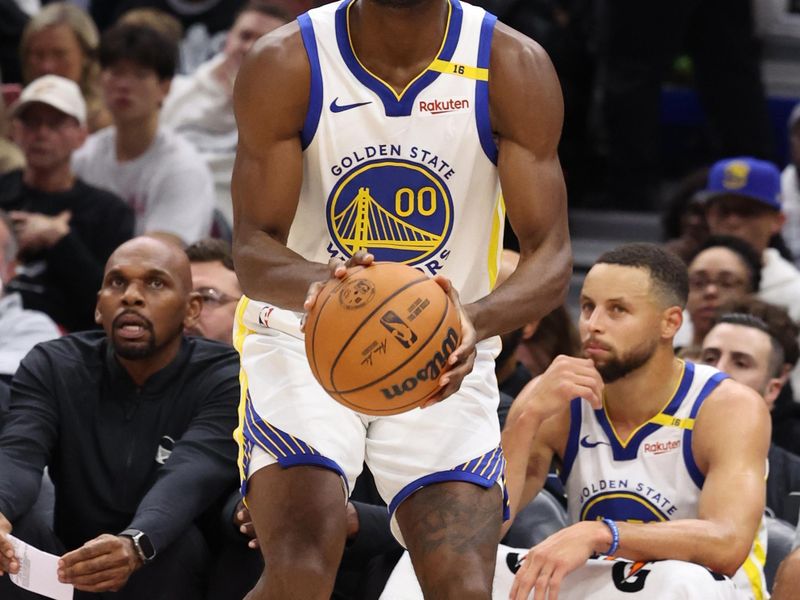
(537, 287)
(715, 546)
(517, 438)
(269, 271)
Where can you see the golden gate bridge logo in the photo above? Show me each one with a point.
(398, 211)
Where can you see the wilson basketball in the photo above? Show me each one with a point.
(378, 341)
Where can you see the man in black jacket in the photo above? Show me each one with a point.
(135, 426)
(66, 229)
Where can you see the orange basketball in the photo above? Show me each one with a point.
(378, 340)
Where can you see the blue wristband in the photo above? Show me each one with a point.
(614, 537)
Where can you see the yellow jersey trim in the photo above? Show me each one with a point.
(495, 247)
(451, 68)
(663, 408)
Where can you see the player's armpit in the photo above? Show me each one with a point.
(527, 114)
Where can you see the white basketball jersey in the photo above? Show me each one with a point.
(652, 476)
(409, 177)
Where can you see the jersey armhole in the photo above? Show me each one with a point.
(482, 119)
(688, 456)
(315, 93)
(571, 451)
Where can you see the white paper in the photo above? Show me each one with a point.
(38, 572)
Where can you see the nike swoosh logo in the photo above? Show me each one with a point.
(337, 108)
(587, 444)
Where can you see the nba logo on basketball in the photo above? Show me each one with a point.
(397, 327)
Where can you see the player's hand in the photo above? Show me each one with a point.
(103, 564)
(338, 270)
(566, 378)
(546, 564)
(244, 523)
(461, 361)
(8, 560)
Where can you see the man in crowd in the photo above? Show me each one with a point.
(66, 229)
(134, 423)
(158, 173)
(644, 444)
(199, 106)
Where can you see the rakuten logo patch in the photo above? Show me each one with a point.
(661, 447)
(438, 107)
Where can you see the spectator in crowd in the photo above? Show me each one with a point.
(745, 347)
(637, 41)
(134, 424)
(66, 229)
(743, 200)
(790, 188)
(785, 411)
(20, 329)
(214, 279)
(200, 105)
(62, 40)
(11, 157)
(724, 268)
(158, 173)
(12, 22)
(684, 218)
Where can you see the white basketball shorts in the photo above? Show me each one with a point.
(287, 418)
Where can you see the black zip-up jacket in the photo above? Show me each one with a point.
(151, 458)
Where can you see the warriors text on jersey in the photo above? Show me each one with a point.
(652, 476)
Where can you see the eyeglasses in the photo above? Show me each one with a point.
(724, 281)
(213, 297)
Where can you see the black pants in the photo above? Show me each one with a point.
(638, 42)
(177, 573)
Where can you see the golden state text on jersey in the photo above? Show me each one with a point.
(408, 175)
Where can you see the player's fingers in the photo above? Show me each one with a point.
(248, 529)
(524, 580)
(555, 584)
(360, 258)
(311, 295)
(98, 578)
(253, 544)
(541, 586)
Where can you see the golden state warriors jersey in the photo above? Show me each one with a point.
(410, 177)
(652, 476)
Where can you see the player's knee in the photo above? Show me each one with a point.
(458, 582)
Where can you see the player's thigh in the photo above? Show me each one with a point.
(297, 509)
(451, 530)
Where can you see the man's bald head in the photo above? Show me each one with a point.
(147, 300)
(154, 251)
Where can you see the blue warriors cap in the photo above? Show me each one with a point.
(759, 180)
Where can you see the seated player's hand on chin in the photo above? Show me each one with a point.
(550, 393)
(548, 563)
(338, 270)
(103, 564)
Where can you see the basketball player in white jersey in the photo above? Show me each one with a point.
(383, 129)
(662, 459)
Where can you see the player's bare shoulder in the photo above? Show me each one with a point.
(524, 92)
(272, 87)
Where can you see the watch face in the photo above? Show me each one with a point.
(147, 546)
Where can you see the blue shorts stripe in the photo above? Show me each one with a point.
(494, 463)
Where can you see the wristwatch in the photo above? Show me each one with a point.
(144, 547)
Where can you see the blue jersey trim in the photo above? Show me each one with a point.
(392, 106)
(494, 471)
(482, 118)
(315, 93)
(688, 456)
(631, 449)
(571, 451)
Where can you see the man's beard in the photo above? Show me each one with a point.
(618, 367)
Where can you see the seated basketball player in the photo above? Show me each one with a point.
(661, 458)
(365, 130)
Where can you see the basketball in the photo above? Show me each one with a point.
(378, 340)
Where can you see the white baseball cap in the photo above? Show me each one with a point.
(59, 92)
